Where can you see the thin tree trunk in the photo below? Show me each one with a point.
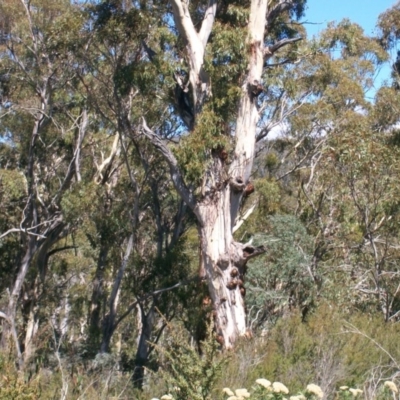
(98, 296)
(109, 321)
(142, 354)
(10, 328)
(32, 325)
(14, 335)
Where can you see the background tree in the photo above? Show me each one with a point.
(44, 119)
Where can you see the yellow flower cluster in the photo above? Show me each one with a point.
(165, 397)
(277, 388)
(280, 388)
(315, 390)
(264, 382)
(392, 386)
(354, 392)
(240, 394)
(298, 397)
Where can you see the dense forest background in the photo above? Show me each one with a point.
(101, 295)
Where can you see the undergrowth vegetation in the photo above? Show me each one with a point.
(327, 355)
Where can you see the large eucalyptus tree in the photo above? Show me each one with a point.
(224, 49)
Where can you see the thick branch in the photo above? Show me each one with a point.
(250, 251)
(178, 227)
(175, 172)
(109, 322)
(57, 231)
(4, 316)
(59, 249)
(12, 230)
(25, 230)
(270, 50)
(184, 22)
(196, 44)
(208, 22)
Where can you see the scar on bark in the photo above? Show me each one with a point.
(253, 48)
(248, 253)
(221, 152)
(255, 88)
(235, 282)
(239, 185)
(232, 283)
(249, 189)
(251, 251)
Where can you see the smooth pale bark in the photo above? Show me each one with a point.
(14, 336)
(32, 326)
(224, 260)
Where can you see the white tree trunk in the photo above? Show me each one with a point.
(224, 260)
(224, 263)
(31, 330)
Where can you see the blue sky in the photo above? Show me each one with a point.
(363, 12)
